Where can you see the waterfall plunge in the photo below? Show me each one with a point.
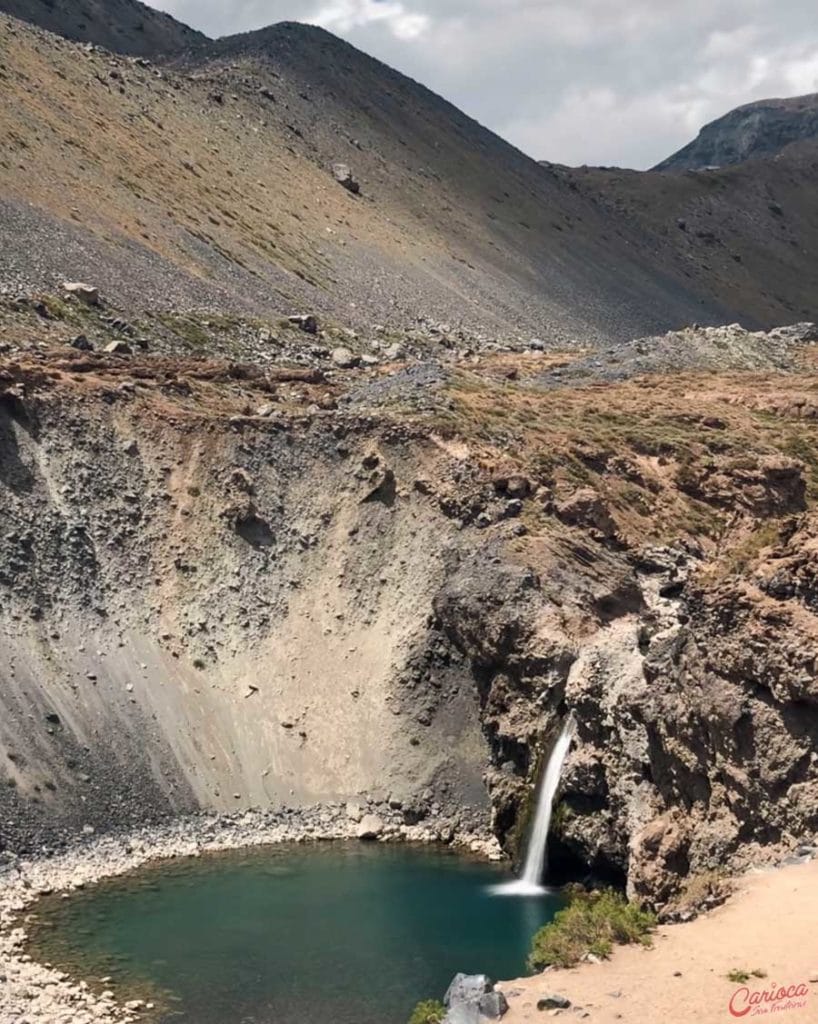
(535, 861)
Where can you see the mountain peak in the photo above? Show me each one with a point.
(759, 129)
(124, 26)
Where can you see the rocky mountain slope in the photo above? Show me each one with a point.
(747, 231)
(125, 26)
(761, 129)
(210, 183)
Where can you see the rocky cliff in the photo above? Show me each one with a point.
(761, 129)
(226, 585)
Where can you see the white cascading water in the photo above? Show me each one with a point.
(530, 884)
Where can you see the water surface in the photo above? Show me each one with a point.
(322, 934)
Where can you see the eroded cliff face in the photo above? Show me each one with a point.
(201, 612)
(696, 705)
(212, 600)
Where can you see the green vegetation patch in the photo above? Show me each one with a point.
(430, 1011)
(593, 922)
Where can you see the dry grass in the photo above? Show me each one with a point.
(641, 443)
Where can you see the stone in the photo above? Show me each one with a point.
(394, 352)
(343, 358)
(81, 343)
(553, 1001)
(84, 292)
(371, 827)
(118, 348)
(305, 322)
(467, 988)
(354, 811)
(344, 176)
(493, 1005)
(585, 507)
(518, 486)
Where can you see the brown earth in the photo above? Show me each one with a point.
(767, 926)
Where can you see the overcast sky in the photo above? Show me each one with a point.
(622, 82)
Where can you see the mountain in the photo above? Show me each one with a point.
(125, 26)
(208, 182)
(211, 182)
(755, 130)
(746, 234)
(301, 526)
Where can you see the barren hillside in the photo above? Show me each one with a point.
(210, 184)
(126, 26)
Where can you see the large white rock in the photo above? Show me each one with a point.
(371, 827)
(84, 292)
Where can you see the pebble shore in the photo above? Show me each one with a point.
(34, 993)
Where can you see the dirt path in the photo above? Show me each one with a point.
(770, 925)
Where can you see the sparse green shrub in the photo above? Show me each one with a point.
(430, 1011)
(593, 922)
(739, 976)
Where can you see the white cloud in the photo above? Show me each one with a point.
(573, 81)
(346, 15)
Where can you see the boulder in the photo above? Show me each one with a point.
(344, 176)
(81, 343)
(119, 348)
(84, 292)
(463, 1013)
(305, 322)
(467, 988)
(493, 1005)
(354, 811)
(371, 827)
(343, 358)
(464, 1000)
(518, 486)
(585, 507)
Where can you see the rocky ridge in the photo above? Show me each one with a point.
(755, 130)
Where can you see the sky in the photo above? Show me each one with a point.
(606, 82)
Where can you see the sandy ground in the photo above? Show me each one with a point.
(770, 924)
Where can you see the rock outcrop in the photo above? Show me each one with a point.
(760, 129)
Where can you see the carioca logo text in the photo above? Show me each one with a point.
(743, 1001)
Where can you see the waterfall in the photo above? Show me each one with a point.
(530, 883)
